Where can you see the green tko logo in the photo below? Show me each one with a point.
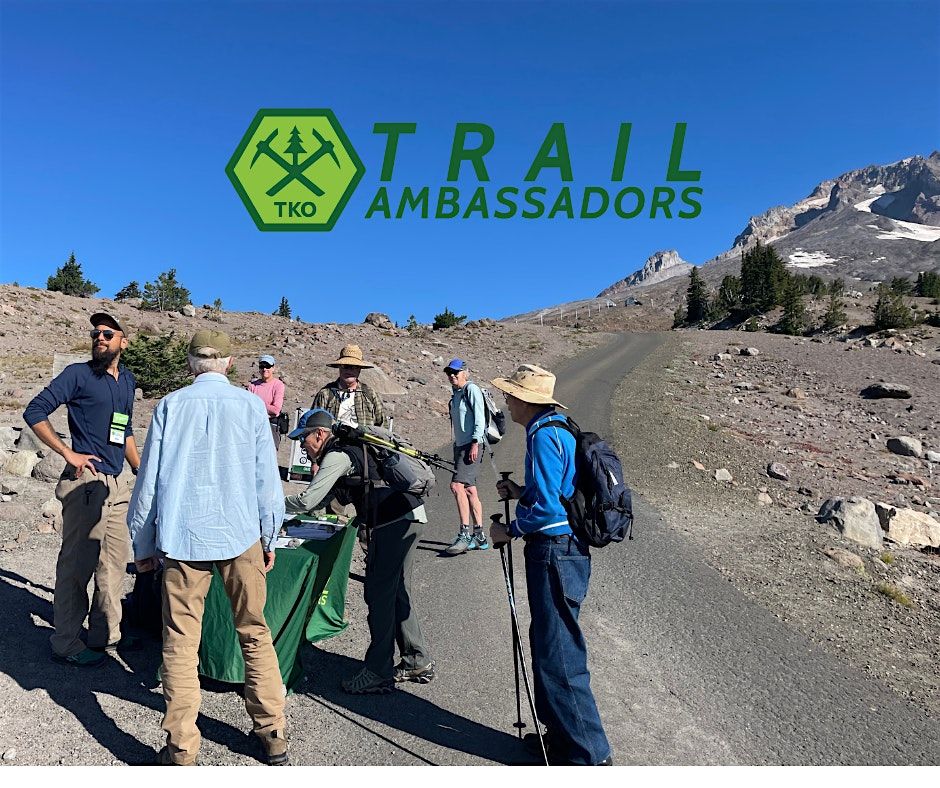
(295, 169)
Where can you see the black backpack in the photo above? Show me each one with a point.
(601, 509)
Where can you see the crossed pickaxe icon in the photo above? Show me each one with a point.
(295, 171)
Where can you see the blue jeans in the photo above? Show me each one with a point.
(557, 575)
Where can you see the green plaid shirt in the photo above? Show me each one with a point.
(367, 405)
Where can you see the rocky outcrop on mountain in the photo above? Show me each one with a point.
(659, 267)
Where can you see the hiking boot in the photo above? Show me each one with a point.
(461, 544)
(126, 643)
(274, 745)
(479, 542)
(365, 682)
(417, 675)
(164, 758)
(86, 658)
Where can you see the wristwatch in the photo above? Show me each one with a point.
(134, 470)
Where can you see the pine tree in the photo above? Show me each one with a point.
(729, 294)
(890, 311)
(793, 321)
(447, 319)
(901, 285)
(835, 313)
(763, 279)
(284, 309)
(69, 280)
(166, 294)
(128, 291)
(928, 285)
(295, 146)
(696, 298)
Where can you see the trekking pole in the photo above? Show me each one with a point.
(520, 654)
(518, 724)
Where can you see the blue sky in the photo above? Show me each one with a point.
(117, 121)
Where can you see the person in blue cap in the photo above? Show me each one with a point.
(468, 419)
(395, 521)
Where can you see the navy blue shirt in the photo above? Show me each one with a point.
(91, 400)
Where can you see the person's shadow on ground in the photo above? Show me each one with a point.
(25, 657)
(405, 712)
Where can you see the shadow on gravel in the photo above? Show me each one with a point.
(25, 657)
(405, 712)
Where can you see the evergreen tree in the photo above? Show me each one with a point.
(835, 313)
(69, 280)
(836, 287)
(679, 318)
(901, 285)
(295, 146)
(763, 279)
(696, 299)
(284, 309)
(928, 285)
(166, 294)
(793, 321)
(128, 291)
(890, 311)
(216, 312)
(729, 294)
(447, 319)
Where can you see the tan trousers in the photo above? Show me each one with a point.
(185, 585)
(95, 543)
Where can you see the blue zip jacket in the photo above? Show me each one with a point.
(549, 472)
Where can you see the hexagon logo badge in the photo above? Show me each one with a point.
(295, 169)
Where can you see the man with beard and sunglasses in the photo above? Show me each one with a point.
(99, 397)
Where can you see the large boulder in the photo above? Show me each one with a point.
(908, 527)
(380, 383)
(29, 442)
(8, 437)
(886, 391)
(21, 463)
(50, 468)
(188, 311)
(855, 518)
(777, 470)
(379, 320)
(906, 447)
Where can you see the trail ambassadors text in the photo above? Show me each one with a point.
(533, 202)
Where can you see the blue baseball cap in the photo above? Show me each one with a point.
(456, 364)
(316, 418)
(267, 360)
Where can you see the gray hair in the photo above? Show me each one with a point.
(198, 364)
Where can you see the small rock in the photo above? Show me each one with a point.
(886, 391)
(721, 357)
(379, 320)
(673, 465)
(21, 463)
(908, 526)
(416, 379)
(51, 508)
(8, 437)
(45, 527)
(855, 518)
(806, 491)
(5, 498)
(845, 558)
(13, 487)
(697, 465)
(933, 456)
(9, 755)
(438, 362)
(29, 442)
(188, 311)
(763, 499)
(777, 470)
(22, 537)
(723, 475)
(138, 395)
(906, 447)
(750, 351)
(796, 393)
(50, 468)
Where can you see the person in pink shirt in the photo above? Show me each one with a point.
(271, 391)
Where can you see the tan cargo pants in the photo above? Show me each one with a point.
(95, 543)
(185, 585)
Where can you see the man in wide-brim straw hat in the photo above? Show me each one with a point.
(558, 568)
(347, 398)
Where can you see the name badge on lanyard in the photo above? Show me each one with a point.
(118, 426)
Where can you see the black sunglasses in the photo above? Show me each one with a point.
(264, 365)
(108, 333)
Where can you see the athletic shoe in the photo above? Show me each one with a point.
(479, 542)
(274, 749)
(417, 675)
(365, 682)
(461, 544)
(86, 658)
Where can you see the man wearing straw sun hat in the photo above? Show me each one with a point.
(558, 569)
(347, 398)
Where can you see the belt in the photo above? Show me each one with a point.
(563, 538)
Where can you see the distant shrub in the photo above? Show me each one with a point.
(447, 319)
(165, 294)
(128, 291)
(69, 280)
(890, 311)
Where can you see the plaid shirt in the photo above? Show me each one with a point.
(367, 405)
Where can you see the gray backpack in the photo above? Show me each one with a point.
(399, 472)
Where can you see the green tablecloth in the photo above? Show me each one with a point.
(306, 600)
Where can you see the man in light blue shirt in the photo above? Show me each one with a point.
(209, 495)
